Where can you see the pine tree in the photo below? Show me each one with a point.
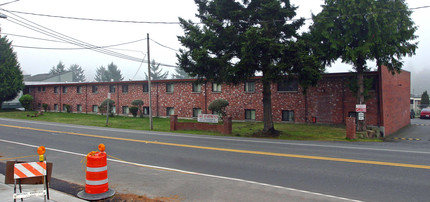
(59, 69)
(180, 74)
(78, 73)
(11, 78)
(156, 72)
(425, 102)
(112, 73)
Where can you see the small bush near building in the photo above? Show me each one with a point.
(139, 104)
(45, 106)
(218, 106)
(68, 110)
(26, 101)
(133, 110)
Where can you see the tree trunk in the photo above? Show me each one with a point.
(267, 108)
(361, 125)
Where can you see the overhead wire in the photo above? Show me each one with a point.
(164, 46)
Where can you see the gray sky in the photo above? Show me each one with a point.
(36, 61)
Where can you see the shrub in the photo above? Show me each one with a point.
(26, 101)
(218, 106)
(68, 109)
(133, 110)
(139, 104)
(103, 106)
(45, 106)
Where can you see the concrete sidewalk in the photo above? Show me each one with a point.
(6, 193)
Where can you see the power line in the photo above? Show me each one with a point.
(46, 31)
(161, 22)
(164, 46)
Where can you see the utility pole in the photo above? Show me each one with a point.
(149, 85)
(2, 16)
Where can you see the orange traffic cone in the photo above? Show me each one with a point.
(96, 186)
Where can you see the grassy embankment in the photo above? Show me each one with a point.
(289, 131)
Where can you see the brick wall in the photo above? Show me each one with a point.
(330, 101)
(395, 109)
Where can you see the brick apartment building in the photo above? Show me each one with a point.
(330, 102)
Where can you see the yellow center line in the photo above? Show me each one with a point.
(233, 150)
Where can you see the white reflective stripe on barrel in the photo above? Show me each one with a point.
(98, 182)
(98, 169)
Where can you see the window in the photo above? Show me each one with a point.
(170, 111)
(56, 89)
(64, 107)
(287, 115)
(30, 90)
(125, 110)
(112, 89)
(250, 86)
(124, 88)
(56, 107)
(145, 110)
(196, 112)
(216, 87)
(79, 108)
(249, 114)
(169, 87)
(64, 89)
(39, 105)
(113, 110)
(78, 89)
(412, 101)
(288, 85)
(95, 108)
(145, 87)
(95, 89)
(197, 87)
(43, 89)
(39, 89)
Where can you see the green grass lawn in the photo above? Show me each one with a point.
(289, 131)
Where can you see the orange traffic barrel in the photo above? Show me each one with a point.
(96, 183)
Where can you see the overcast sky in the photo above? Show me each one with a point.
(36, 61)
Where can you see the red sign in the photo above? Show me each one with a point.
(360, 108)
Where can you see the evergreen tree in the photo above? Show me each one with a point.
(11, 78)
(156, 72)
(59, 69)
(180, 74)
(236, 39)
(359, 31)
(102, 75)
(78, 73)
(425, 102)
(114, 72)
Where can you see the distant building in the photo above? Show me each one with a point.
(330, 102)
(415, 103)
(38, 79)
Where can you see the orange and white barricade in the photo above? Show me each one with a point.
(96, 183)
(27, 170)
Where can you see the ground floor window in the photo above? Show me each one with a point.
(95, 108)
(170, 111)
(249, 114)
(79, 108)
(287, 115)
(145, 110)
(56, 107)
(125, 110)
(196, 112)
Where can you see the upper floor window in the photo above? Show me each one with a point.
(56, 89)
(288, 85)
(95, 89)
(39, 89)
(64, 89)
(216, 87)
(78, 89)
(197, 87)
(145, 87)
(250, 86)
(169, 87)
(125, 88)
(43, 89)
(112, 88)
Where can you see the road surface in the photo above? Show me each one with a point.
(210, 168)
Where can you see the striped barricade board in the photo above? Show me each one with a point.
(29, 170)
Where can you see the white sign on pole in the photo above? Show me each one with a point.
(361, 116)
(208, 118)
(360, 108)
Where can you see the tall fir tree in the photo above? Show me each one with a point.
(425, 102)
(78, 73)
(11, 78)
(112, 73)
(156, 72)
(59, 69)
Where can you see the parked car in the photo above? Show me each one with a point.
(412, 114)
(425, 113)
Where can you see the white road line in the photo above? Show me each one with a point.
(192, 173)
(215, 138)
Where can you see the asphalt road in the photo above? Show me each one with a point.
(208, 168)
